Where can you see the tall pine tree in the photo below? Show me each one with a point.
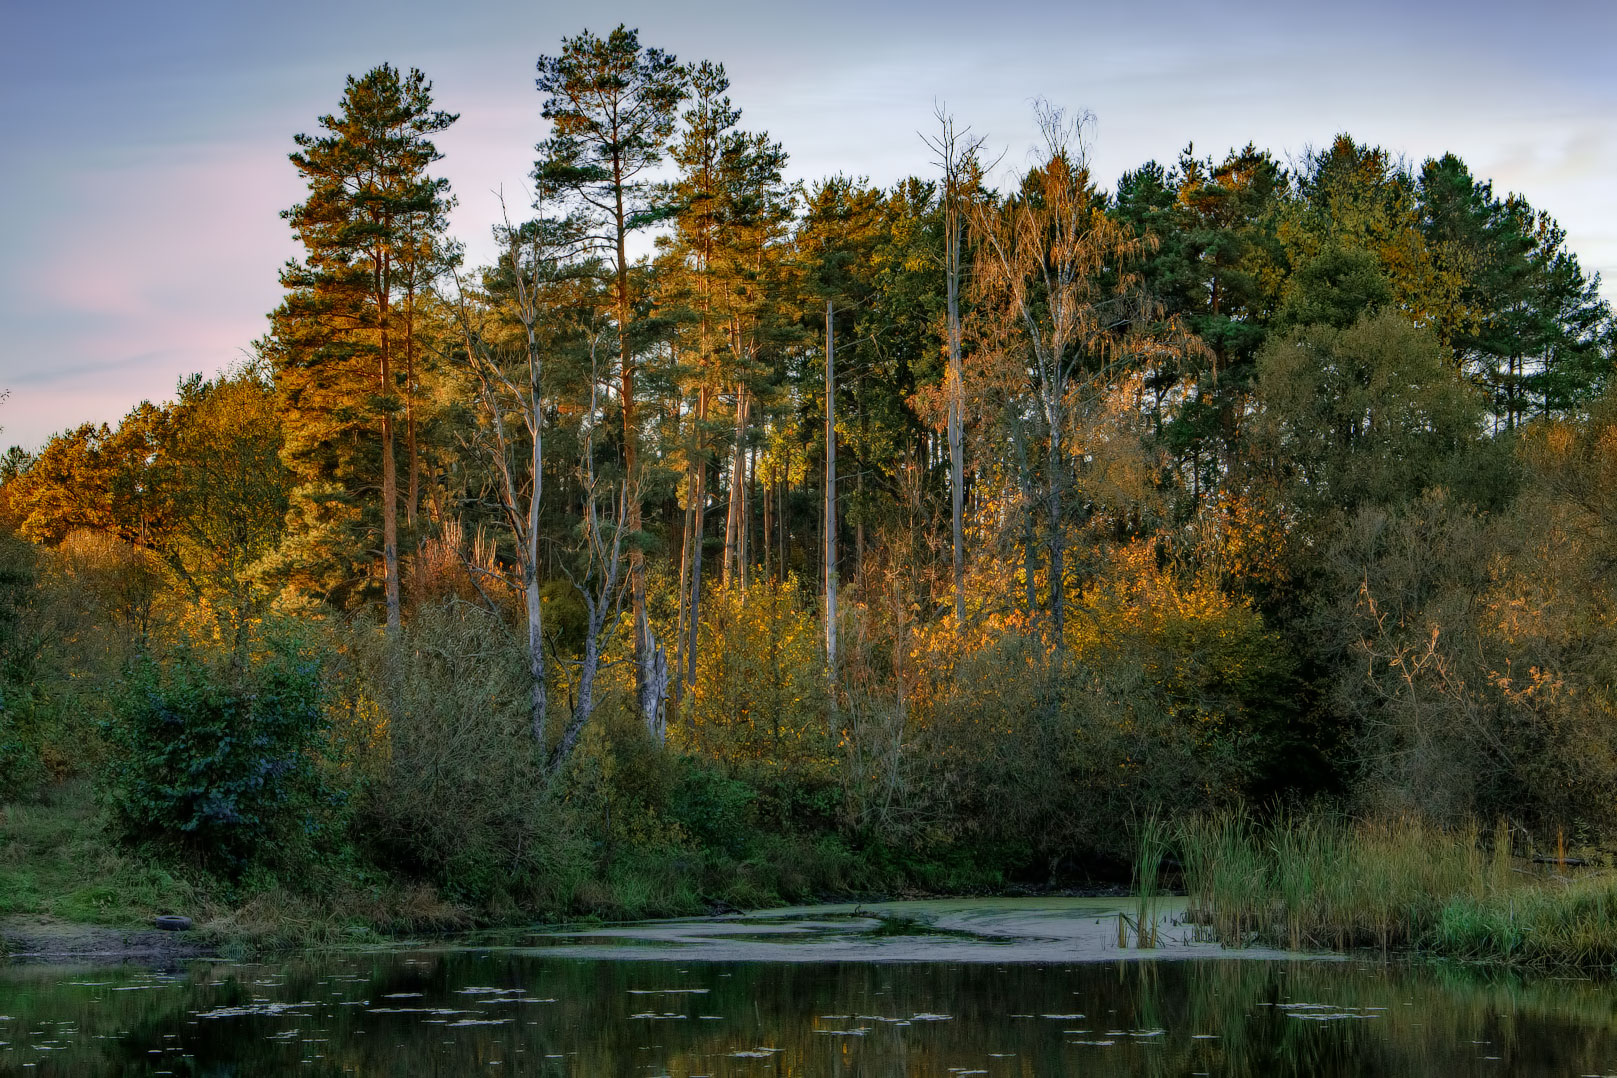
(371, 227)
(612, 105)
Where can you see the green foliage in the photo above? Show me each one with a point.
(712, 808)
(1529, 325)
(1336, 288)
(19, 757)
(22, 771)
(1370, 414)
(219, 763)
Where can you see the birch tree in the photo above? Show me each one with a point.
(1053, 262)
(511, 401)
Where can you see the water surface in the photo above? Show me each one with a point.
(693, 998)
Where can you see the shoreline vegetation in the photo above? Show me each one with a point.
(1307, 884)
(964, 534)
(1398, 886)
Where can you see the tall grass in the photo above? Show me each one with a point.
(1321, 882)
(1151, 846)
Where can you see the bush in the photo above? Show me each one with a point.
(712, 808)
(220, 763)
(453, 792)
(22, 771)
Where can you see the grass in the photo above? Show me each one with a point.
(1151, 842)
(56, 861)
(1316, 882)
(59, 864)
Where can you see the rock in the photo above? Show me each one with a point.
(172, 922)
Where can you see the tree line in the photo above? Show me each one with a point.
(1240, 479)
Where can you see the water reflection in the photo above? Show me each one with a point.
(510, 1012)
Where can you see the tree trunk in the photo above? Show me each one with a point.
(390, 478)
(768, 524)
(957, 394)
(530, 571)
(684, 573)
(735, 520)
(700, 501)
(536, 648)
(859, 525)
(749, 464)
(830, 496)
(1024, 483)
(412, 500)
(647, 655)
(1058, 591)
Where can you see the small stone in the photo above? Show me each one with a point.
(172, 922)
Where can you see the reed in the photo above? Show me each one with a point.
(1152, 842)
(1323, 882)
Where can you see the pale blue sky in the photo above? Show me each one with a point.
(145, 144)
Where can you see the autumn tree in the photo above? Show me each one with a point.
(98, 478)
(722, 282)
(226, 489)
(1055, 265)
(687, 288)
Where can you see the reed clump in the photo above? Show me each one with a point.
(1151, 846)
(1400, 884)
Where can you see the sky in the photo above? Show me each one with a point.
(144, 145)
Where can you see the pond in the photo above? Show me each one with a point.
(987, 987)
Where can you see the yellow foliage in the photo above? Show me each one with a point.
(760, 691)
(1192, 643)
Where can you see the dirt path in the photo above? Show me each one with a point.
(47, 941)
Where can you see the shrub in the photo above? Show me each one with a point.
(452, 791)
(712, 808)
(219, 763)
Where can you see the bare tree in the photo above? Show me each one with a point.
(511, 396)
(600, 582)
(510, 390)
(956, 155)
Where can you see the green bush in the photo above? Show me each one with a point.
(22, 772)
(220, 763)
(711, 807)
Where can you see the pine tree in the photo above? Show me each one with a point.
(1529, 326)
(687, 294)
(371, 227)
(612, 104)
